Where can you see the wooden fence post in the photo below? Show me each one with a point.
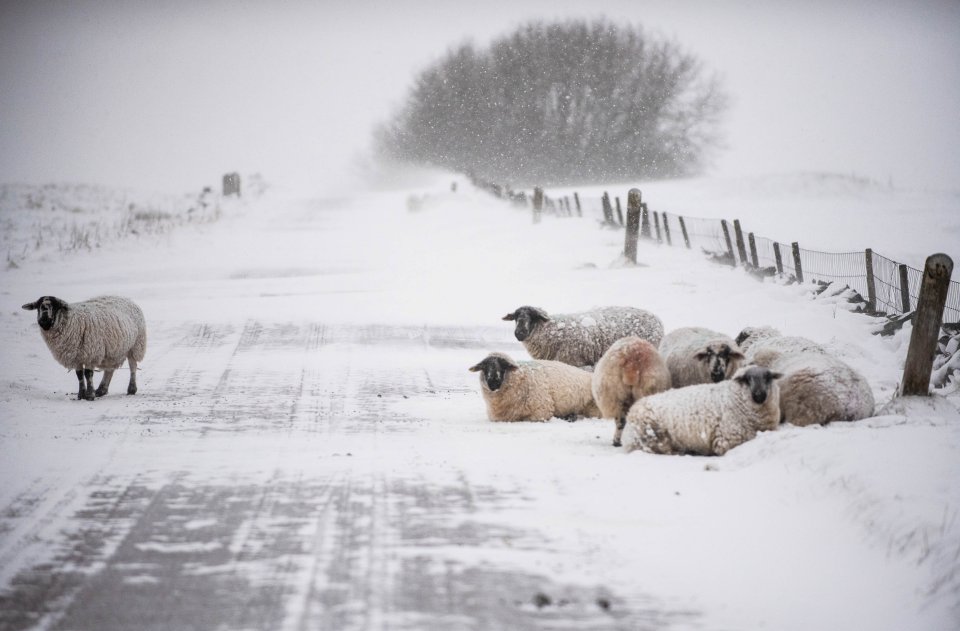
(726, 237)
(741, 248)
(231, 184)
(576, 198)
(753, 251)
(904, 289)
(871, 283)
(683, 229)
(607, 209)
(656, 224)
(926, 325)
(633, 225)
(796, 261)
(666, 229)
(778, 257)
(537, 203)
(644, 220)
(619, 211)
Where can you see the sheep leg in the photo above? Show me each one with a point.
(86, 392)
(82, 389)
(104, 383)
(132, 388)
(617, 435)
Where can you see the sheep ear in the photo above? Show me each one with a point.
(31, 306)
(510, 316)
(742, 336)
(507, 363)
(776, 375)
(702, 355)
(476, 368)
(736, 354)
(540, 313)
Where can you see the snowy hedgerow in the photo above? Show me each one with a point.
(706, 419)
(580, 339)
(697, 355)
(630, 370)
(534, 390)
(816, 387)
(98, 333)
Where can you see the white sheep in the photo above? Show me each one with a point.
(697, 355)
(580, 339)
(534, 390)
(630, 370)
(98, 333)
(816, 387)
(706, 419)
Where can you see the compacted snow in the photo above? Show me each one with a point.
(308, 449)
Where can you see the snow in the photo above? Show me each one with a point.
(307, 443)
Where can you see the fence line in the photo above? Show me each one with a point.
(887, 287)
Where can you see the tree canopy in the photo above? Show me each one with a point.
(556, 103)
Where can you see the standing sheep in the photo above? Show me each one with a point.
(706, 419)
(630, 370)
(697, 355)
(96, 333)
(580, 339)
(533, 390)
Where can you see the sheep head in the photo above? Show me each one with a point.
(48, 308)
(493, 370)
(721, 360)
(527, 318)
(758, 380)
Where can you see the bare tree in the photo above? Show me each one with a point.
(561, 103)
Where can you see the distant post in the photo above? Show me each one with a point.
(633, 225)
(871, 283)
(741, 248)
(576, 198)
(753, 251)
(607, 209)
(796, 261)
(644, 219)
(926, 325)
(904, 289)
(683, 230)
(778, 257)
(537, 203)
(619, 210)
(666, 229)
(231, 184)
(726, 237)
(656, 225)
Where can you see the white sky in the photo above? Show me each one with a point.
(168, 95)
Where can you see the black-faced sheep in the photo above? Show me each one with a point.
(817, 387)
(697, 355)
(534, 390)
(630, 370)
(98, 333)
(580, 339)
(706, 419)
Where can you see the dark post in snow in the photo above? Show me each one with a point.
(753, 251)
(656, 225)
(686, 236)
(871, 283)
(231, 184)
(796, 261)
(904, 289)
(726, 237)
(566, 204)
(633, 225)
(537, 203)
(666, 229)
(926, 325)
(619, 210)
(644, 219)
(576, 198)
(741, 248)
(778, 257)
(607, 209)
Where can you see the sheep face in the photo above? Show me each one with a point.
(47, 308)
(527, 318)
(720, 360)
(493, 370)
(758, 380)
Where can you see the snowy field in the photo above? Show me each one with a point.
(307, 449)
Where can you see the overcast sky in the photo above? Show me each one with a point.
(168, 95)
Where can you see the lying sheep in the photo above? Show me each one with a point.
(817, 387)
(697, 355)
(580, 339)
(534, 390)
(96, 333)
(706, 419)
(630, 370)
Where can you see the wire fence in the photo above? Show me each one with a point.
(886, 286)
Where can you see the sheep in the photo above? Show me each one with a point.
(706, 419)
(817, 388)
(534, 390)
(96, 333)
(580, 339)
(630, 370)
(697, 355)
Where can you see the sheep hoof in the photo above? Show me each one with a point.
(616, 443)
(100, 391)
(132, 389)
(89, 396)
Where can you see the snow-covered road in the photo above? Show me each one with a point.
(308, 451)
